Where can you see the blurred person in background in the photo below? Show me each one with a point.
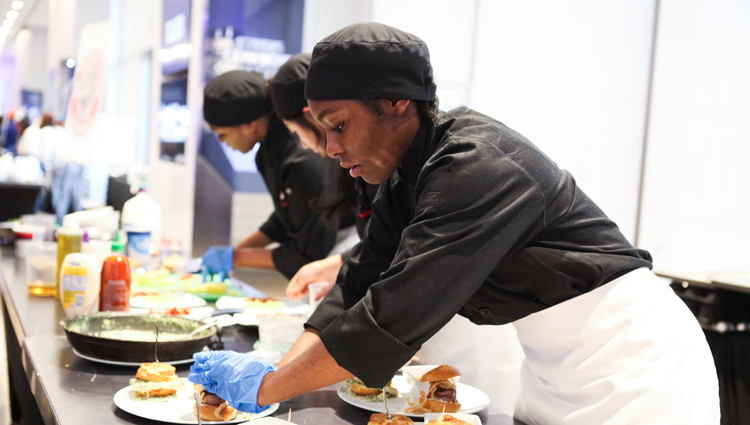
(238, 108)
(288, 94)
(45, 140)
(8, 133)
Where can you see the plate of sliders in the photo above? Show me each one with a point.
(421, 390)
(157, 393)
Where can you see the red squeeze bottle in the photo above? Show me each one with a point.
(115, 284)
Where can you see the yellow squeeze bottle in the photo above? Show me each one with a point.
(79, 284)
(69, 240)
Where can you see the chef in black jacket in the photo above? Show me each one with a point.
(238, 108)
(477, 221)
(288, 94)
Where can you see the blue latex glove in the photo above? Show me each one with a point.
(218, 259)
(232, 376)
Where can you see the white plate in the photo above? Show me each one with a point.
(167, 300)
(112, 362)
(472, 399)
(250, 316)
(177, 410)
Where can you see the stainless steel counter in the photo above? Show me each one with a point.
(55, 386)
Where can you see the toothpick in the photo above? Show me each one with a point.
(289, 419)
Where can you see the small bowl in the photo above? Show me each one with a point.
(472, 419)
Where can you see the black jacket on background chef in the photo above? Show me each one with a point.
(524, 238)
(294, 176)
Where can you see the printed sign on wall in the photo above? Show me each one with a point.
(87, 95)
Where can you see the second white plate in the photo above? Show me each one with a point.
(472, 399)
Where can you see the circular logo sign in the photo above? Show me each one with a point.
(87, 92)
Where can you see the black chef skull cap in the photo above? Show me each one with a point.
(288, 86)
(370, 60)
(234, 98)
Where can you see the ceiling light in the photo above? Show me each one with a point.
(16, 5)
(8, 23)
(70, 63)
(12, 14)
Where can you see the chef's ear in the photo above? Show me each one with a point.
(398, 106)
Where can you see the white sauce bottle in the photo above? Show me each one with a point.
(79, 284)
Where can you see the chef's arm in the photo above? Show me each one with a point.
(257, 240)
(312, 369)
(305, 341)
(259, 258)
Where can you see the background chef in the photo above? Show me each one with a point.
(237, 106)
(479, 222)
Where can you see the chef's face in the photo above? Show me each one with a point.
(311, 134)
(241, 137)
(369, 144)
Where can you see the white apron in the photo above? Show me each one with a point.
(628, 352)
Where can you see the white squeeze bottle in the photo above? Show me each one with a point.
(79, 284)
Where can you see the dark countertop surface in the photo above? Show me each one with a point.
(69, 389)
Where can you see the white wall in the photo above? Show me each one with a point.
(696, 207)
(572, 77)
(324, 17)
(449, 33)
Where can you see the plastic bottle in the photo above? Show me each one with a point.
(115, 284)
(69, 241)
(142, 213)
(79, 284)
(118, 247)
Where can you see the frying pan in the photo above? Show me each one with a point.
(83, 333)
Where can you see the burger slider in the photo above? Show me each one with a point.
(212, 407)
(358, 388)
(382, 419)
(441, 397)
(156, 380)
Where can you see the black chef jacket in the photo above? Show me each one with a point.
(294, 176)
(475, 221)
(365, 193)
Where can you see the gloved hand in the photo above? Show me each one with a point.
(218, 259)
(232, 376)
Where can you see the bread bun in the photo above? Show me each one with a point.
(155, 372)
(224, 412)
(382, 419)
(440, 373)
(157, 392)
(361, 389)
(437, 406)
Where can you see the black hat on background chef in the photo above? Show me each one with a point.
(288, 86)
(370, 60)
(234, 98)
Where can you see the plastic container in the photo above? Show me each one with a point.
(41, 265)
(175, 255)
(315, 289)
(139, 248)
(143, 213)
(79, 284)
(69, 241)
(100, 250)
(115, 284)
(280, 329)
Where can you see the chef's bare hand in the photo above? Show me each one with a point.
(232, 376)
(324, 270)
